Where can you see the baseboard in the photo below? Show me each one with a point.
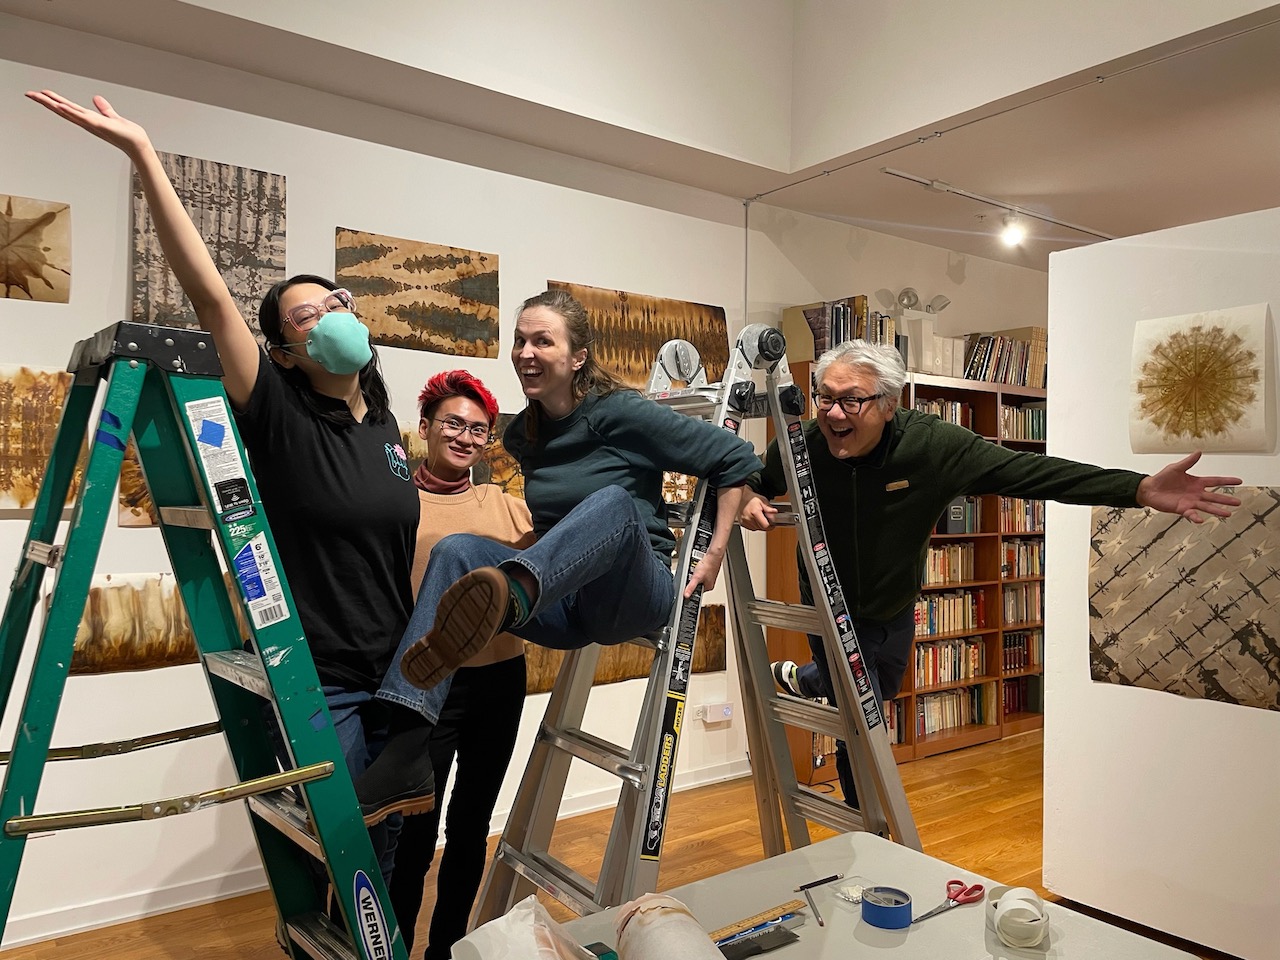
(112, 910)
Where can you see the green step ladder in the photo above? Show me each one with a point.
(163, 386)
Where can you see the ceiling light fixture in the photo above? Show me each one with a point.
(943, 187)
(1014, 231)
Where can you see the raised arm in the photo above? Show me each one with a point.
(181, 242)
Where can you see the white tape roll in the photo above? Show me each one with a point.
(1017, 916)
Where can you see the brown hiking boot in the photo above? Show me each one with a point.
(468, 617)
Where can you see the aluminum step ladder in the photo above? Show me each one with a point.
(523, 861)
(884, 809)
(163, 387)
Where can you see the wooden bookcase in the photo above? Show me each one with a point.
(1005, 578)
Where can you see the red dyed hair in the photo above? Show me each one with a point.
(456, 383)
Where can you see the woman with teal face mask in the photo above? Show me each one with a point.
(315, 417)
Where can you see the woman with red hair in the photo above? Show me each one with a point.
(481, 714)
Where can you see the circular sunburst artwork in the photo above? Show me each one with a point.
(1198, 383)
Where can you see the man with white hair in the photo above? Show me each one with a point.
(883, 476)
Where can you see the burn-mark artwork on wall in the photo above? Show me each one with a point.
(421, 296)
(35, 249)
(1189, 609)
(240, 214)
(31, 403)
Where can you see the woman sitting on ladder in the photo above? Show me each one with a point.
(593, 452)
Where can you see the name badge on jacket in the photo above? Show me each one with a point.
(897, 485)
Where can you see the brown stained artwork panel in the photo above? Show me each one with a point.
(1186, 609)
(630, 329)
(31, 403)
(1198, 382)
(35, 249)
(240, 215)
(421, 296)
(135, 622)
(627, 661)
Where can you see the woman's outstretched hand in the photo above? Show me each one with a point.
(102, 121)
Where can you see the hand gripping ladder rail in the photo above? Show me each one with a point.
(884, 808)
(163, 386)
(631, 859)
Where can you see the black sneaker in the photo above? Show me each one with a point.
(785, 675)
(400, 780)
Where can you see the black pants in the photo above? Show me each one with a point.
(886, 648)
(478, 725)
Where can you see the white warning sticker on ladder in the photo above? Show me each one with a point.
(256, 570)
(220, 454)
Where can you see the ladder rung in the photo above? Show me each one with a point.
(155, 809)
(91, 751)
(316, 934)
(788, 616)
(653, 641)
(240, 667)
(195, 517)
(693, 401)
(547, 873)
(806, 714)
(827, 811)
(678, 514)
(597, 752)
(47, 554)
(282, 810)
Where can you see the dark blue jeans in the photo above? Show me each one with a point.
(886, 648)
(599, 581)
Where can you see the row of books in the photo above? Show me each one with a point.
(1022, 558)
(893, 715)
(1016, 357)
(936, 712)
(1023, 649)
(1023, 602)
(949, 563)
(952, 411)
(949, 612)
(962, 515)
(1023, 694)
(1025, 422)
(1021, 516)
(950, 661)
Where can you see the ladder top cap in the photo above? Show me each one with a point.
(171, 349)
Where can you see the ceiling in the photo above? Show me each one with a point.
(1178, 134)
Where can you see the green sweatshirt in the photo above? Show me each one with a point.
(625, 439)
(879, 511)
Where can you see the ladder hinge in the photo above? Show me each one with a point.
(48, 554)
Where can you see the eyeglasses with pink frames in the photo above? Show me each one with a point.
(306, 315)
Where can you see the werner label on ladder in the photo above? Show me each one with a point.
(163, 389)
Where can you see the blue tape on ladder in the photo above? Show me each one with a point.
(108, 439)
(110, 419)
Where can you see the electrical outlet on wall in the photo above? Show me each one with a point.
(713, 712)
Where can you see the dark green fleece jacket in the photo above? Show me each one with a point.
(879, 511)
(625, 439)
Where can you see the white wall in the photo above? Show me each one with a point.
(875, 69)
(539, 231)
(1159, 809)
(714, 74)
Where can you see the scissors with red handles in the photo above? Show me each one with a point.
(957, 893)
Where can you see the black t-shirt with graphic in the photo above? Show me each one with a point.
(344, 514)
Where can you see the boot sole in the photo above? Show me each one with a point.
(468, 617)
(407, 807)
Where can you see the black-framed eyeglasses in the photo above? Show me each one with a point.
(452, 427)
(850, 405)
(306, 315)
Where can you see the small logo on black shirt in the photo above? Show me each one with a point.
(397, 461)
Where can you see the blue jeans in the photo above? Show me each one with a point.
(885, 648)
(599, 581)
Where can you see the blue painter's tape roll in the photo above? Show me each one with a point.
(886, 907)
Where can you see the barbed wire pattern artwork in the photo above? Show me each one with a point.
(240, 215)
(421, 296)
(31, 402)
(1200, 383)
(35, 249)
(1189, 609)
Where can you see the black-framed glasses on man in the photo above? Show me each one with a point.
(452, 427)
(850, 405)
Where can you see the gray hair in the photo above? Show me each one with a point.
(883, 363)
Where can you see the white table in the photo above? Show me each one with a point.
(960, 933)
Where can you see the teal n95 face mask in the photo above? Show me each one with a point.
(338, 342)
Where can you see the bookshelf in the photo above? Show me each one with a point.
(976, 670)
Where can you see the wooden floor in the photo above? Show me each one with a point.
(980, 808)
